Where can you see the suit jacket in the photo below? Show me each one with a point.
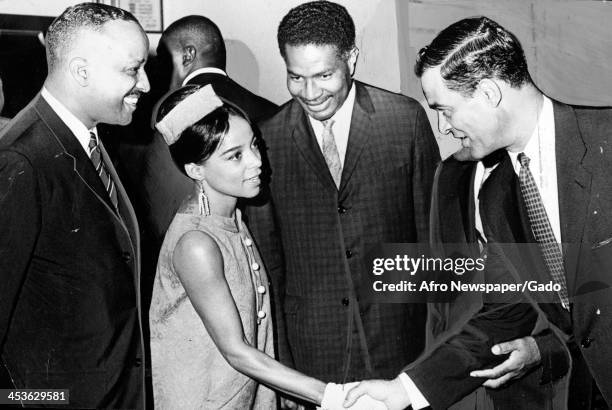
(70, 306)
(162, 185)
(466, 331)
(325, 234)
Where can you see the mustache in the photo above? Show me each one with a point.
(315, 101)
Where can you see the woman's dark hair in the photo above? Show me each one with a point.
(199, 140)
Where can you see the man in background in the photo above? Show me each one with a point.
(69, 243)
(351, 167)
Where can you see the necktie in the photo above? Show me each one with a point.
(96, 158)
(330, 152)
(540, 225)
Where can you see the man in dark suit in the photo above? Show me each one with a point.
(70, 304)
(195, 48)
(531, 171)
(351, 167)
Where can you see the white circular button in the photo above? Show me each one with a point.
(261, 314)
(248, 242)
(261, 289)
(255, 266)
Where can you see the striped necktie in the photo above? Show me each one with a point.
(96, 158)
(330, 152)
(542, 230)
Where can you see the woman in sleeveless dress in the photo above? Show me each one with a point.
(210, 318)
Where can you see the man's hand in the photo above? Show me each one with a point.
(288, 404)
(524, 355)
(335, 394)
(391, 392)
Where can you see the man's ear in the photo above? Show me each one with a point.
(352, 60)
(491, 91)
(189, 55)
(79, 70)
(194, 171)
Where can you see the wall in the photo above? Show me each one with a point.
(568, 44)
(39, 8)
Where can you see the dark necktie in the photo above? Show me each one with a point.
(96, 158)
(542, 230)
(330, 152)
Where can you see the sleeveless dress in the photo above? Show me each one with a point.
(188, 370)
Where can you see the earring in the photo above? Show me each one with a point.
(203, 204)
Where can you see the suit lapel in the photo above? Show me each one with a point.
(573, 184)
(72, 150)
(127, 217)
(360, 131)
(304, 138)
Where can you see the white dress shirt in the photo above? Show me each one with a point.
(543, 165)
(72, 122)
(341, 127)
(204, 70)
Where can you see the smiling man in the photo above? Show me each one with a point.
(351, 167)
(70, 304)
(530, 185)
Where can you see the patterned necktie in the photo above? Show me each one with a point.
(96, 158)
(330, 152)
(540, 225)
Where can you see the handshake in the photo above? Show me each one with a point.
(335, 394)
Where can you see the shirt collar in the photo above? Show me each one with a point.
(72, 122)
(532, 149)
(204, 70)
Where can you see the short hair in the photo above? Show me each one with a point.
(204, 33)
(319, 23)
(64, 30)
(198, 141)
(471, 50)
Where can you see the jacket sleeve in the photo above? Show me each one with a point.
(19, 227)
(442, 372)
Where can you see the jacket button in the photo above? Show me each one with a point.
(345, 301)
(586, 342)
(349, 253)
(126, 257)
(341, 209)
(137, 362)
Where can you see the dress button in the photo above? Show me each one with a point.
(255, 266)
(345, 301)
(248, 242)
(137, 362)
(261, 314)
(261, 289)
(341, 209)
(586, 342)
(349, 253)
(126, 257)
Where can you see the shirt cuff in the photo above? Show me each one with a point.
(417, 400)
